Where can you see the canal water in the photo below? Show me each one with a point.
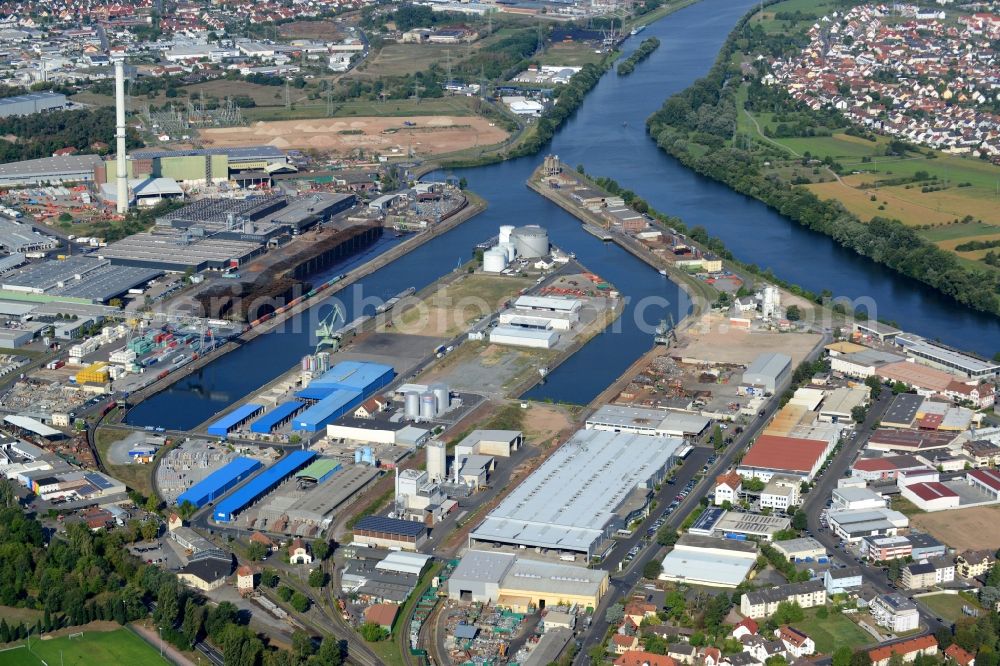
(608, 136)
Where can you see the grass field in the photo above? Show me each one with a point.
(451, 310)
(571, 54)
(949, 606)
(835, 630)
(136, 477)
(437, 106)
(114, 647)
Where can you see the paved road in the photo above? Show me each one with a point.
(816, 500)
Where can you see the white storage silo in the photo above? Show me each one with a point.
(509, 250)
(531, 241)
(505, 232)
(494, 261)
(437, 462)
(442, 394)
(428, 405)
(411, 403)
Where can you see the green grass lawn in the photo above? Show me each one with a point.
(833, 631)
(136, 477)
(115, 647)
(948, 606)
(959, 231)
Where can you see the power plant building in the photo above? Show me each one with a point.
(594, 484)
(50, 170)
(198, 166)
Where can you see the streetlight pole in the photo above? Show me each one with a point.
(159, 632)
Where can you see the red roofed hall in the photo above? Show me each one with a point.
(986, 480)
(931, 495)
(640, 658)
(774, 454)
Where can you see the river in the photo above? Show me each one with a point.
(608, 136)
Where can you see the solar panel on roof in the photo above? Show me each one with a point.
(98, 480)
(391, 525)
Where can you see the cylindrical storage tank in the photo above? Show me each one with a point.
(442, 395)
(307, 363)
(509, 250)
(428, 405)
(494, 261)
(505, 231)
(368, 455)
(531, 242)
(411, 407)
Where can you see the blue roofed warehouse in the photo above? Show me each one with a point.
(261, 484)
(235, 419)
(283, 412)
(219, 481)
(339, 390)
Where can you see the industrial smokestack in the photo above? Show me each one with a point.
(120, 157)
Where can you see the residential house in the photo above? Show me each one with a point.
(797, 644)
(762, 649)
(682, 653)
(641, 658)
(927, 573)
(637, 611)
(842, 581)
(246, 580)
(895, 612)
(727, 488)
(959, 655)
(907, 650)
(746, 627)
(264, 540)
(622, 643)
(974, 563)
(763, 603)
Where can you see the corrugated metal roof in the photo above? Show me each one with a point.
(262, 483)
(266, 423)
(227, 422)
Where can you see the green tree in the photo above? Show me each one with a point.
(372, 632)
(321, 549)
(269, 578)
(256, 551)
(792, 313)
(861, 658)
(285, 593)
(615, 614)
(842, 656)
(667, 535)
(302, 645)
(875, 384)
(652, 569)
(717, 440)
(300, 602)
(800, 520)
(194, 621)
(859, 413)
(317, 577)
(331, 652)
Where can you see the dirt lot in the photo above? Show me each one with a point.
(713, 339)
(542, 422)
(311, 30)
(963, 529)
(429, 135)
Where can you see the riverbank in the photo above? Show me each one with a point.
(708, 149)
(701, 294)
(474, 206)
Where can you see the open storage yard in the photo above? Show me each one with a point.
(714, 339)
(963, 529)
(428, 135)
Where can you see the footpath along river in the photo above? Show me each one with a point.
(608, 136)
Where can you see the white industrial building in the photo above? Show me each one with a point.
(520, 336)
(852, 525)
(857, 498)
(701, 560)
(542, 304)
(590, 487)
(642, 421)
(500, 443)
(768, 371)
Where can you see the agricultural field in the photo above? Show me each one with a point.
(424, 135)
(220, 89)
(110, 647)
(833, 631)
(963, 529)
(809, 8)
(306, 109)
(949, 606)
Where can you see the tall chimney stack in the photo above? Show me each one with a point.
(120, 156)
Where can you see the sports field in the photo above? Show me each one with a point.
(833, 631)
(963, 529)
(93, 647)
(423, 135)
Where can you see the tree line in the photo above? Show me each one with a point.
(627, 66)
(42, 134)
(82, 576)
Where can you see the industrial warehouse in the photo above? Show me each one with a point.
(570, 505)
(79, 278)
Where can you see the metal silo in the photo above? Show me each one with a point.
(412, 405)
(442, 394)
(509, 250)
(531, 242)
(357, 456)
(505, 231)
(494, 261)
(428, 405)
